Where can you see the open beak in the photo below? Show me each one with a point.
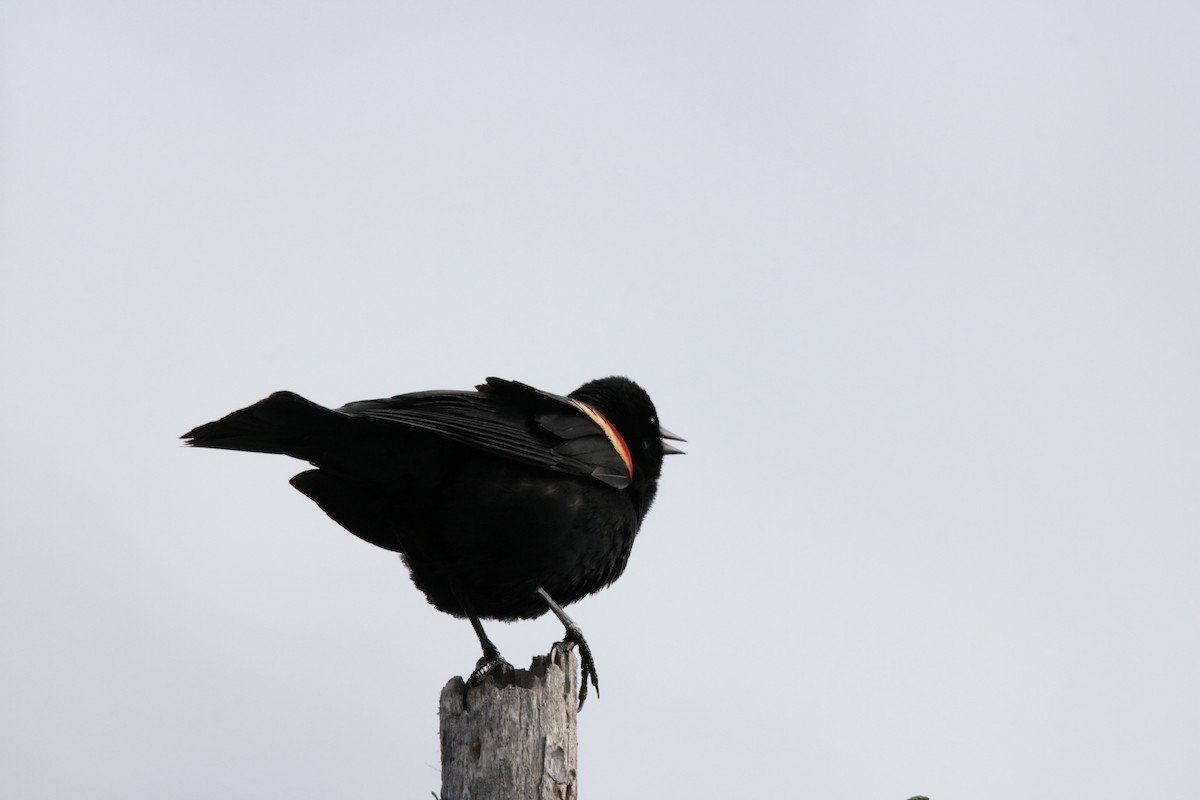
(668, 449)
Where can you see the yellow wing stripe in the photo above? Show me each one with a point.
(614, 436)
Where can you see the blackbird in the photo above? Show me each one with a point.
(504, 503)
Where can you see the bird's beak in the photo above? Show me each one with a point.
(670, 450)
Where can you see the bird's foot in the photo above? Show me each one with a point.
(587, 665)
(491, 662)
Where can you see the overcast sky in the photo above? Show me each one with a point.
(920, 283)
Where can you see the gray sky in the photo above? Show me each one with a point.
(919, 282)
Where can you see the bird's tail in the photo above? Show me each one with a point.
(283, 423)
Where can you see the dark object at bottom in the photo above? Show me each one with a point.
(505, 502)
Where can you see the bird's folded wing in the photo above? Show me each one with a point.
(511, 420)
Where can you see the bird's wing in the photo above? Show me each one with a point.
(516, 421)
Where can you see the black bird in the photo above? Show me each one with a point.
(504, 502)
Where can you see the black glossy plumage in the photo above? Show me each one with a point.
(504, 502)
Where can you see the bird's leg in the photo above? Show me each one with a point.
(575, 637)
(491, 654)
(491, 658)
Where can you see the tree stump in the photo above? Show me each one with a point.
(514, 737)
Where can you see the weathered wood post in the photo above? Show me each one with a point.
(515, 737)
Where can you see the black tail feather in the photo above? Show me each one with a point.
(283, 423)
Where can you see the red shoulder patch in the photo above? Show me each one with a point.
(610, 430)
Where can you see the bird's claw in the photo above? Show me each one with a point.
(587, 665)
(487, 665)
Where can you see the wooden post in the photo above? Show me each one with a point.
(515, 737)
